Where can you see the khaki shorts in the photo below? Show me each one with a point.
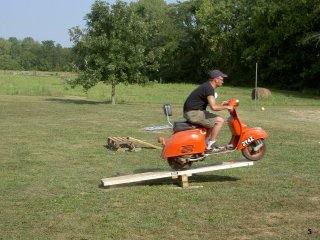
(203, 118)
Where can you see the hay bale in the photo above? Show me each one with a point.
(261, 93)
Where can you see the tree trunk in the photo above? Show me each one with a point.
(113, 92)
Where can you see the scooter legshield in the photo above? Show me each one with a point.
(251, 135)
(185, 143)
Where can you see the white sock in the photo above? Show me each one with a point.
(210, 144)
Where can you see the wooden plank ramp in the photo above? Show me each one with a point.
(182, 176)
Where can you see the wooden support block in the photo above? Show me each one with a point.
(183, 181)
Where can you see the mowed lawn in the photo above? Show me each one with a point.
(53, 157)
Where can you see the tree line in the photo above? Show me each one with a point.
(149, 40)
(152, 40)
(28, 54)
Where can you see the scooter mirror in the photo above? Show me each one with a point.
(167, 109)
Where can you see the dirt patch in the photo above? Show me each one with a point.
(314, 199)
(307, 115)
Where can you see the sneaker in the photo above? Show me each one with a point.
(230, 147)
(214, 149)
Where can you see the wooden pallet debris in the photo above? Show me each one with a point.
(127, 144)
(121, 144)
(144, 143)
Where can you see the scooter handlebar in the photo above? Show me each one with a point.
(232, 102)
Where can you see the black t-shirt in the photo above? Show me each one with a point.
(197, 99)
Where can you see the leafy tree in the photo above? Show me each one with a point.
(177, 38)
(4, 47)
(7, 63)
(186, 51)
(29, 58)
(276, 35)
(216, 25)
(155, 14)
(113, 47)
(15, 50)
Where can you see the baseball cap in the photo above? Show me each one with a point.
(217, 73)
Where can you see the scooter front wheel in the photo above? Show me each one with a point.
(255, 151)
(178, 163)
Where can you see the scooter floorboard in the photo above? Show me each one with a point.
(224, 149)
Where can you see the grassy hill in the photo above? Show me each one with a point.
(53, 157)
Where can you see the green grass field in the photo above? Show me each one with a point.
(53, 157)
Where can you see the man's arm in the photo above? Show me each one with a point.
(216, 107)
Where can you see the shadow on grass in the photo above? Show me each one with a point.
(212, 178)
(77, 101)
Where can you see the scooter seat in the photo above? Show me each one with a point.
(182, 125)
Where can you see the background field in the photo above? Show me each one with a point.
(53, 157)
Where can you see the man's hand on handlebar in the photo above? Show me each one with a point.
(226, 103)
(230, 108)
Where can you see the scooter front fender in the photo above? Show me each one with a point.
(185, 143)
(250, 135)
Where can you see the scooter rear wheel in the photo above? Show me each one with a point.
(254, 155)
(177, 164)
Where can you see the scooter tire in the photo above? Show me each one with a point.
(252, 155)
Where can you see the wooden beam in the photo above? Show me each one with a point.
(181, 175)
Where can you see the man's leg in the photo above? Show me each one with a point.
(206, 119)
(215, 130)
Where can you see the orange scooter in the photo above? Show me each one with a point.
(187, 144)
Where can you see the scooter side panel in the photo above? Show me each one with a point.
(251, 135)
(185, 143)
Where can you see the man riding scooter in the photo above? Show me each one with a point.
(195, 108)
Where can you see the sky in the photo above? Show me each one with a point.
(44, 19)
